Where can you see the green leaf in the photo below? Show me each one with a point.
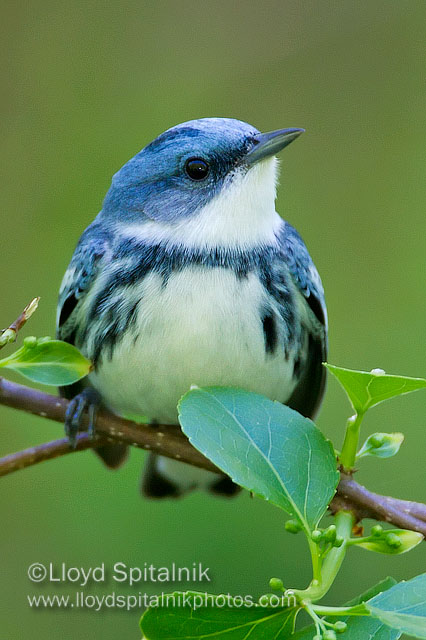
(392, 542)
(360, 627)
(264, 446)
(380, 587)
(51, 362)
(381, 445)
(365, 390)
(403, 607)
(198, 616)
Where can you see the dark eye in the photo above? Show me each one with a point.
(197, 168)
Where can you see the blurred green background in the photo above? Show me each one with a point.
(87, 84)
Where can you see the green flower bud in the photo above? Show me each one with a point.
(340, 626)
(330, 533)
(277, 584)
(30, 341)
(377, 530)
(377, 439)
(316, 536)
(381, 445)
(329, 634)
(293, 526)
(393, 540)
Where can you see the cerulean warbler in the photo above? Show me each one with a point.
(188, 276)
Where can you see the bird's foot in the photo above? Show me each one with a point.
(89, 400)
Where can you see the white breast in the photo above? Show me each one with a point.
(202, 328)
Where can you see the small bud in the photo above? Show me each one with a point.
(31, 307)
(330, 533)
(7, 336)
(340, 626)
(329, 634)
(377, 530)
(276, 584)
(316, 536)
(378, 372)
(338, 541)
(393, 540)
(377, 439)
(30, 341)
(293, 526)
(381, 445)
(317, 637)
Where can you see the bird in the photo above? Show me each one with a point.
(189, 276)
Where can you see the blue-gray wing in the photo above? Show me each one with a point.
(308, 394)
(92, 248)
(77, 282)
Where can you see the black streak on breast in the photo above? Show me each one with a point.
(270, 332)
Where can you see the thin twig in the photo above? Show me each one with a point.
(9, 335)
(169, 441)
(47, 451)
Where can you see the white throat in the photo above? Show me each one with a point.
(242, 215)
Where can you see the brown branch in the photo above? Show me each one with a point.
(166, 440)
(169, 441)
(9, 335)
(366, 504)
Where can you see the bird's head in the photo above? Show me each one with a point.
(207, 182)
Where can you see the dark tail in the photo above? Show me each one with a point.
(164, 478)
(113, 455)
(156, 486)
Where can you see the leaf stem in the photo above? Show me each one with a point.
(330, 567)
(350, 444)
(356, 610)
(316, 558)
(315, 611)
(319, 624)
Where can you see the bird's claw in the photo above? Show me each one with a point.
(88, 399)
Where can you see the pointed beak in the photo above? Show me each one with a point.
(268, 144)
